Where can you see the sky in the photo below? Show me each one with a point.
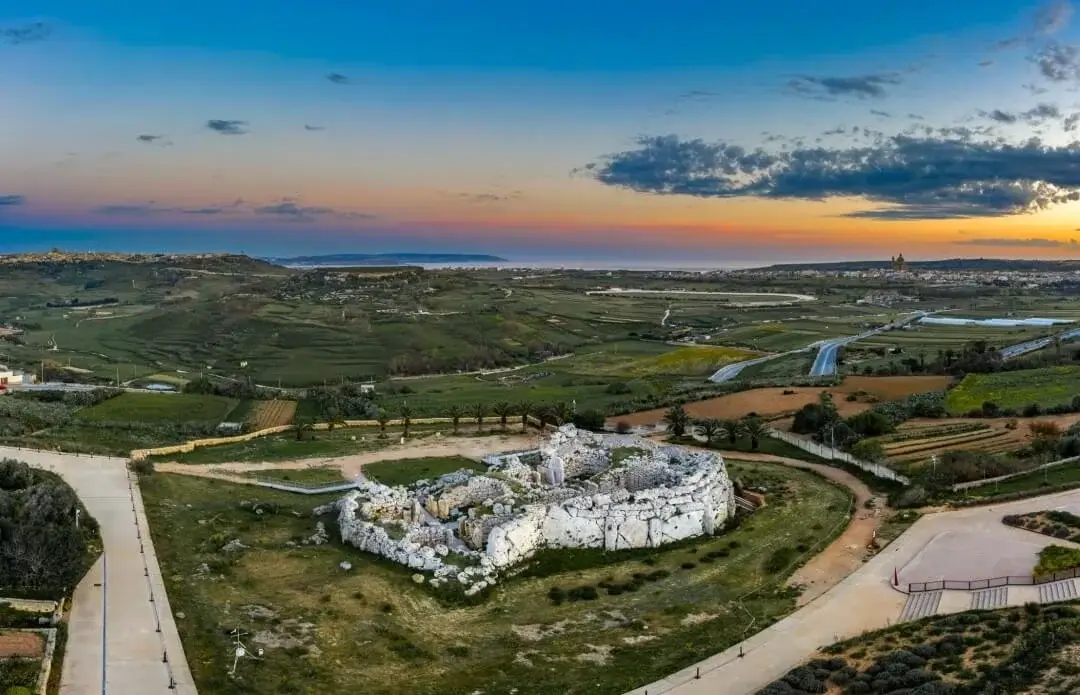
(714, 132)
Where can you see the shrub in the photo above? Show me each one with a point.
(688, 565)
(557, 595)
(623, 427)
(779, 560)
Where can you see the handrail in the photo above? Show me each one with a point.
(1010, 580)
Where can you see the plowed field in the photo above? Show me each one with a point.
(773, 401)
(25, 645)
(273, 414)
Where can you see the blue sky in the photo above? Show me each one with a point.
(523, 128)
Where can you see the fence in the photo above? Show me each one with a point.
(990, 481)
(304, 488)
(976, 584)
(831, 454)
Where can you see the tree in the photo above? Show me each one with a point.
(1045, 437)
(333, 417)
(755, 429)
(406, 419)
(456, 412)
(503, 410)
(525, 408)
(708, 428)
(303, 427)
(479, 410)
(677, 420)
(563, 412)
(382, 418)
(733, 430)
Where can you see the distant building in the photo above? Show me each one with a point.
(899, 264)
(9, 377)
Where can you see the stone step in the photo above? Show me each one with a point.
(920, 605)
(1057, 591)
(996, 597)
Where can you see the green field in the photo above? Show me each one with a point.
(160, 408)
(375, 631)
(1047, 386)
(408, 471)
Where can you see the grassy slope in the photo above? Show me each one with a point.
(1046, 386)
(415, 645)
(408, 471)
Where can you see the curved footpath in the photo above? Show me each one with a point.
(121, 634)
(865, 600)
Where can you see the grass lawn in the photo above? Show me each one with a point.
(318, 475)
(1046, 386)
(286, 447)
(1055, 558)
(408, 471)
(164, 408)
(372, 630)
(1041, 482)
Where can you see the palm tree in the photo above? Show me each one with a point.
(526, 409)
(382, 418)
(708, 428)
(479, 410)
(503, 410)
(456, 412)
(755, 429)
(406, 418)
(303, 426)
(733, 430)
(677, 420)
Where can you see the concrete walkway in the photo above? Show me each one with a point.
(121, 634)
(970, 539)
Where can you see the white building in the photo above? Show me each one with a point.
(9, 377)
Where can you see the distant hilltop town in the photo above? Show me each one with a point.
(59, 256)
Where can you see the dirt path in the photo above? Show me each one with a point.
(848, 552)
(350, 466)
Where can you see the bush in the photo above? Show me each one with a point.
(779, 560)
(623, 427)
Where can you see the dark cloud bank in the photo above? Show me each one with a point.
(911, 177)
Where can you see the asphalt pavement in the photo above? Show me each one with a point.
(122, 637)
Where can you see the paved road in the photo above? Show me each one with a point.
(731, 371)
(866, 600)
(825, 362)
(114, 631)
(1036, 344)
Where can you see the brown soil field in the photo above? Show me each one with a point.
(25, 645)
(773, 402)
(274, 413)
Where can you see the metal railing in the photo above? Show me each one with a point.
(831, 454)
(977, 584)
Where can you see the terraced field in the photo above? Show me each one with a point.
(273, 414)
(913, 446)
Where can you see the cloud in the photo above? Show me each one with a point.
(153, 139)
(290, 209)
(338, 78)
(880, 114)
(154, 208)
(312, 128)
(860, 86)
(1030, 242)
(1058, 62)
(908, 177)
(1070, 122)
(985, 63)
(489, 197)
(29, 33)
(11, 199)
(227, 127)
(1053, 17)
(1036, 115)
